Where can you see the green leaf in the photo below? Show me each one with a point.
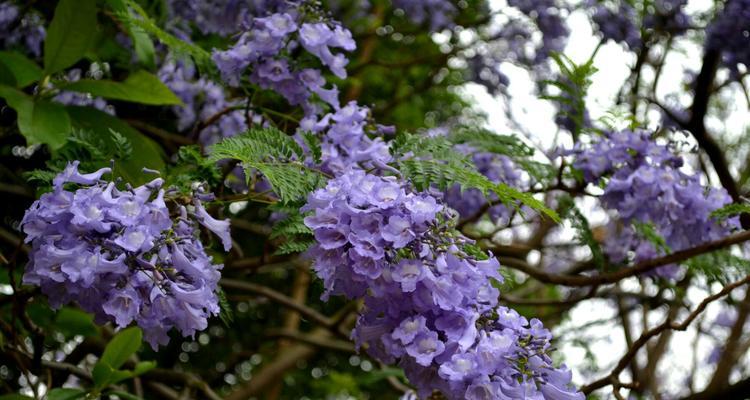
(276, 156)
(15, 396)
(143, 367)
(50, 124)
(70, 34)
(104, 375)
(142, 43)
(145, 152)
(140, 87)
(141, 20)
(730, 210)
(424, 173)
(123, 395)
(39, 121)
(71, 322)
(123, 345)
(24, 71)
(65, 394)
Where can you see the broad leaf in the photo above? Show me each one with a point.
(39, 121)
(70, 34)
(71, 322)
(65, 394)
(23, 70)
(123, 345)
(140, 87)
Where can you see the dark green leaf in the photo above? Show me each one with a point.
(24, 71)
(142, 43)
(15, 396)
(104, 375)
(39, 121)
(65, 394)
(123, 345)
(70, 34)
(71, 322)
(140, 87)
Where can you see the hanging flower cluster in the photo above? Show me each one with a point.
(430, 304)
(120, 255)
(644, 184)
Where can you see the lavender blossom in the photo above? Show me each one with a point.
(120, 255)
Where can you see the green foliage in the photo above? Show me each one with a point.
(192, 166)
(72, 322)
(140, 87)
(730, 210)
(144, 152)
(575, 82)
(122, 346)
(22, 70)
(274, 155)
(297, 236)
(65, 394)
(720, 266)
(226, 315)
(485, 140)
(648, 232)
(143, 46)
(313, 144)
(70, 34)
(140, 21)
(441, 174)
(584, 235)
(40, 121)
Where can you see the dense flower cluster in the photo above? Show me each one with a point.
(729, 34)
(26, 30)
(203, 100)
(265, 47)
(120, 255)
(645, 185)
(430, 306)
(345, 141)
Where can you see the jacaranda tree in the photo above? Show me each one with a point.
(297, 199)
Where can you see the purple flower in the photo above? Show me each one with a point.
(425, 347)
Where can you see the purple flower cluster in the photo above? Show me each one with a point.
(203, 99)
(429, 306)
(120, 255)
(729, 34)
(266, 45)
(644, 184)
(345, 141)
(439, 13)
(497, 168)
(16, 29)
